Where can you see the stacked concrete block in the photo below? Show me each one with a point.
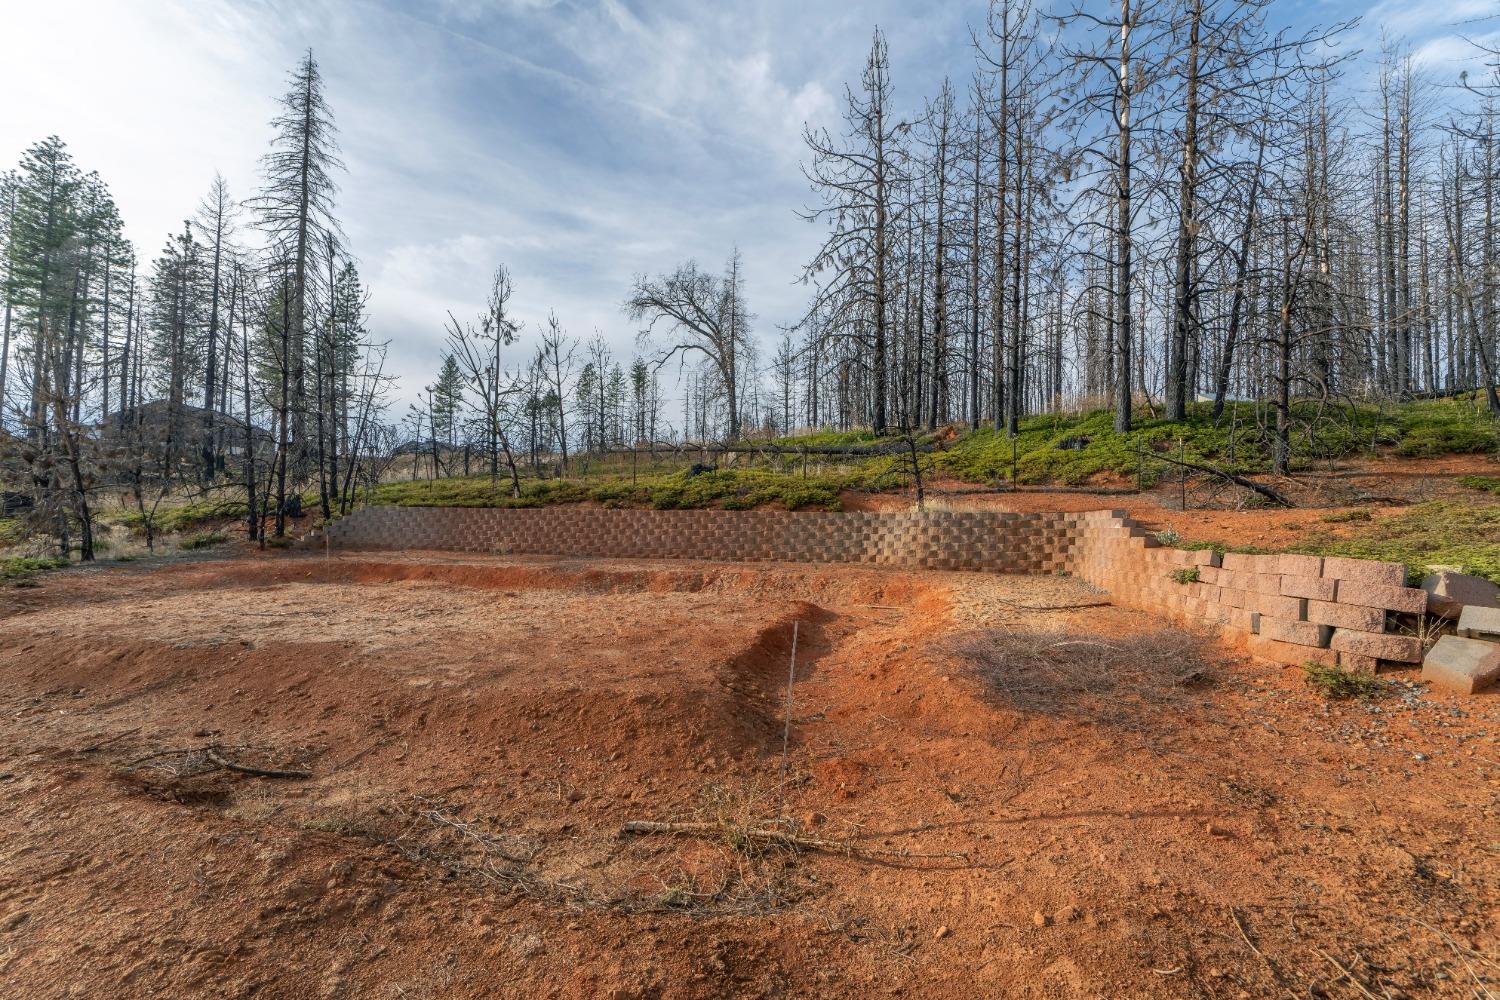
(993, 542)
(1287, 608)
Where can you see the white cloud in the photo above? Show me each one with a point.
(579, 141)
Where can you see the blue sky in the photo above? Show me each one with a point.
(577, 141)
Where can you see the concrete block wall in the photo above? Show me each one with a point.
(1287, 608)
(992, 542)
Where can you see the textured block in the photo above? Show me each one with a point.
(1241, 562)
(1296, 632)
(1359, 663)
(1289, 653)
(1400, 648)
(1409, 600)
(1383, 574)
(1462, 665)
(1295, 565)
(1276, 606)
(1312, 587)
(1348, 616)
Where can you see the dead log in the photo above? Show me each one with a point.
(1232, 477)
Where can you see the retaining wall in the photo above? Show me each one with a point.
(994, 542)
(1288, 608)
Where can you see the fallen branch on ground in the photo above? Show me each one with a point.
(784, 839)
(211, 758)
(1056, 607)
(259, 772)
(1232, 477)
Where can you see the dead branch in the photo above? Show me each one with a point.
(213, 756)
(1348, 974)
(260, 772)
(1232, 477)
(1056, 607)
(777, 837)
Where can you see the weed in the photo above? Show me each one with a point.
(1341, 685)
(1189, 575)
(1168, 536)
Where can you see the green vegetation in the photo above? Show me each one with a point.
(1071, 449)
(185, 517)
(1067, 449)
(1340, 684)
(1436, 533)
(1485, 484)
(1189, 575)
(23, 569)
(1445, 427)
(730, 489)
(203, 540)
(1346, 517)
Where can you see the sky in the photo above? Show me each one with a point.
(579, 142)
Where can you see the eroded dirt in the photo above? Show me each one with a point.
(479, 730)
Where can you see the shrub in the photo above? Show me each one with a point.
(203, 540)
(26, 567)
(1341, 685)
(1189, 575)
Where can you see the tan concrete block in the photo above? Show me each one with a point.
(1276, 606)
(1289, 653)
(1410, 600)
(1400, 648)
(1296, 632)
(1312, 587)
(1349, 616)
(1462, 665)
(1382, 574)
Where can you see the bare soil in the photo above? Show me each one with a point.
(1019, 790)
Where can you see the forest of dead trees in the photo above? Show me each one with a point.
(1151, 204)
(1154, 206)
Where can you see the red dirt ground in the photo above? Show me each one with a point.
(1224, 833)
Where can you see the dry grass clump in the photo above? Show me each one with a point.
(1059, 673)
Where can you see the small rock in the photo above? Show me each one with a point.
(942, 932)
(1067, 915)
(1214, 830)
(1041, 919)
(574, 795)
(814, 819)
